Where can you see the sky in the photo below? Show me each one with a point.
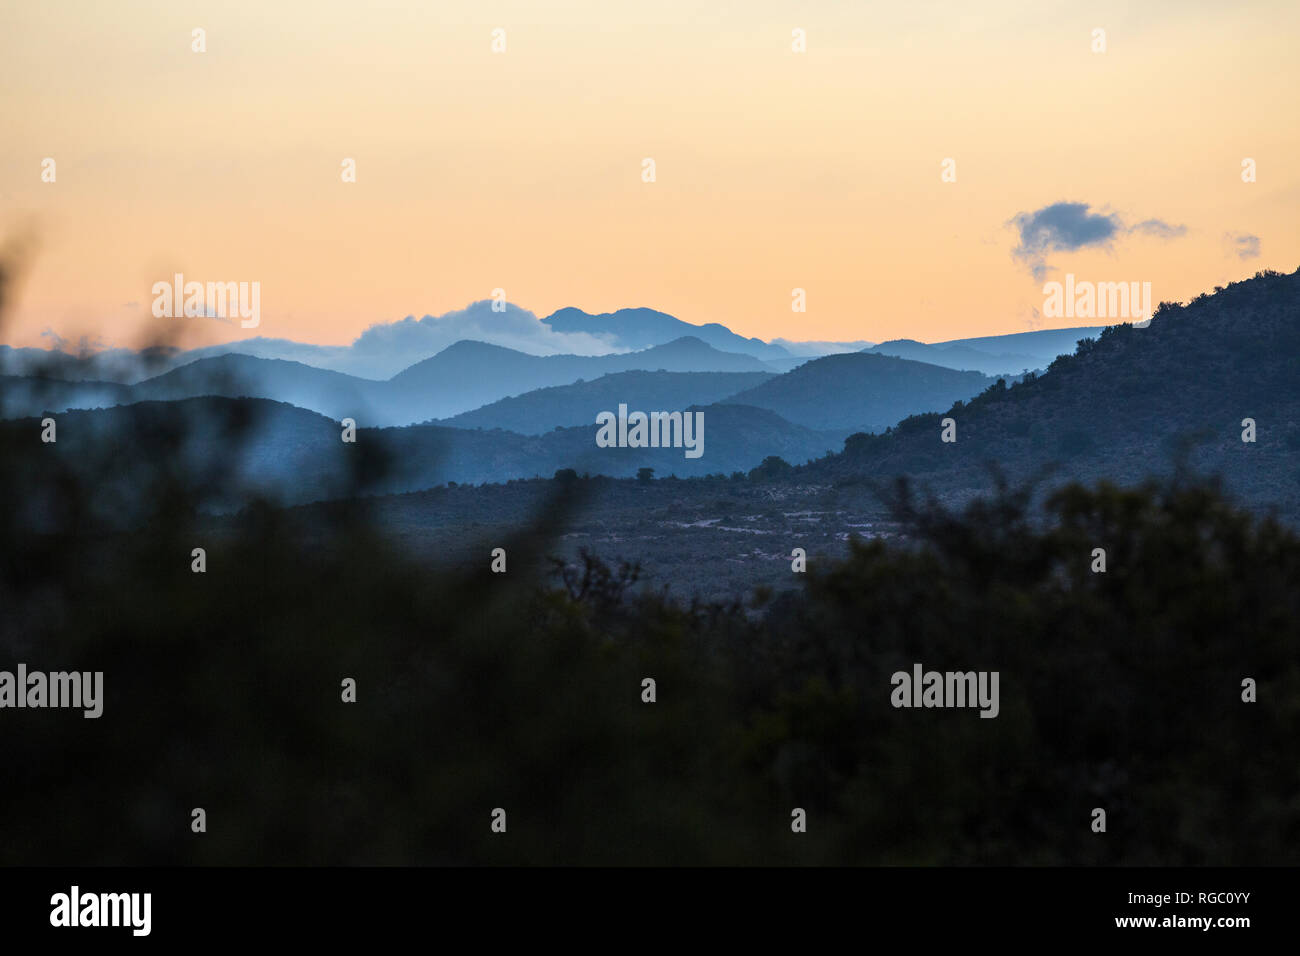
(523, 170)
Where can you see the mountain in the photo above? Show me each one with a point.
(23, 396)
(106, 365)
(462, 377)
(994, 354)
(227, 451)
(544, 409)
(1128, 404)
(335, 358)
(736, 438)
(860, 391)
(788, 364)
(1049, 342)
(237, 450)
(641, 328)
(241, 376)
(816, 349)
(468, 375)
(229, 376)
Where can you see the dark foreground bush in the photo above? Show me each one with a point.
(223, 690)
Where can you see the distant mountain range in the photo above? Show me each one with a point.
(460, 378)
(860, 391)
(476, 385)
(385, 349)
(1120, 407)
(993, 355)
(545, 409)
(641, 328)
(471, 374)
(290, 456)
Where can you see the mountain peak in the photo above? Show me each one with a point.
(641, 328)
(473, 347)
(685, 342)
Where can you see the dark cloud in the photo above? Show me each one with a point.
(1062, 226)
(1067, 226)
(1243, 244)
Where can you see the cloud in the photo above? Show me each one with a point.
(1067, 226)
(1062, 226)
(1159, 229)
(413, 339)
(85, 346)
(1243, 244)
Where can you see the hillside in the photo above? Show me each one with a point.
(333, 394)
(24, 396)
(860, 391)
(290, 455)
(1009, 354)
(115, 366)
(1125, 403)
(544, 409)
(469, 375)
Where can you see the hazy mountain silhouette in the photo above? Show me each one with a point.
(469, 375)
(289, 455)
(386, 348)
(231, 376)
(860, 391)
(25, 395)
(243, 376)
(462, 377)
(993, 354)
(816, 349)
(641, 328)
(114, 365)
(544, 409)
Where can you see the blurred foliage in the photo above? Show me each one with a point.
(480, 690)
(523, 690)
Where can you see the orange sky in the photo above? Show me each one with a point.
(522, 170)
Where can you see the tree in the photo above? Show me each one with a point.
(773, 466)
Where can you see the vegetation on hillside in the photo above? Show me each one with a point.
(1132, 403)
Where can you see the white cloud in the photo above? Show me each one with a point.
(414, 339)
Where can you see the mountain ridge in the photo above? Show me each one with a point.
(1132, 404)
